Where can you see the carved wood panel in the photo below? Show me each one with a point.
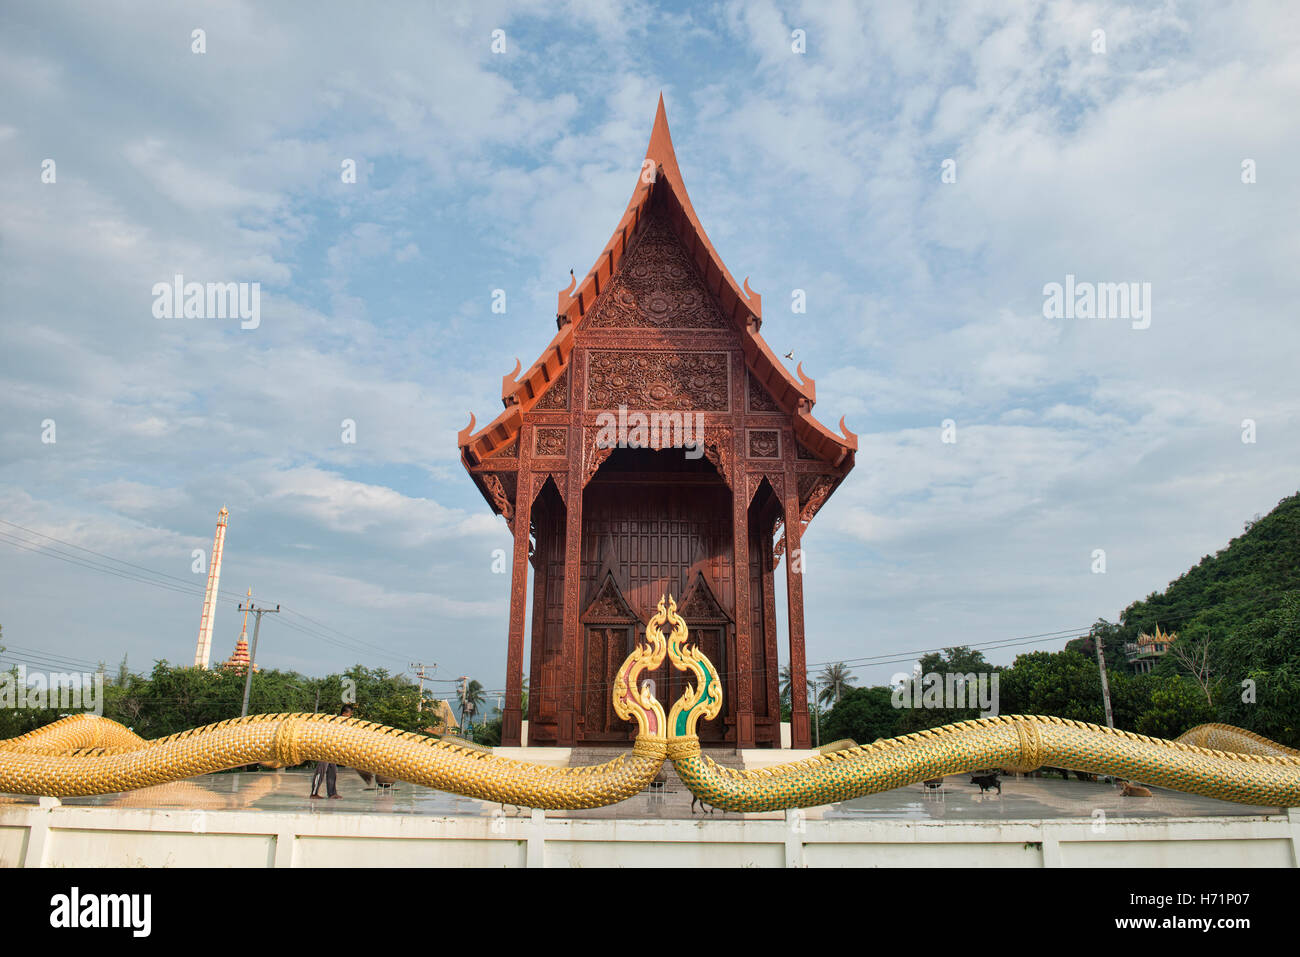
(681, 381)
(550, 441)
(764, 444)
(605, 647)
(556, 397)
(760, 400)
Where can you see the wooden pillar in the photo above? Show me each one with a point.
(744, 659)
(800, 733)
(510, 721)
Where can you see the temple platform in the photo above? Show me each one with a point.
(266, 819)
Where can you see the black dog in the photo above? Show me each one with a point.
(986, 781)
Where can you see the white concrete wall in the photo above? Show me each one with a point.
(60, 836)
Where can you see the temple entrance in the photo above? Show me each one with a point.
(654, 523)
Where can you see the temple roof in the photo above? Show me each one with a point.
(795, 393)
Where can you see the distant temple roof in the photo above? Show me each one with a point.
(1159, 638)
(1148, 645)
(796, 394)
(238, 661)
(444, 719)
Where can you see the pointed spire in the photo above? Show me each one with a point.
(660, 149)
(239, 660)
(661, 141)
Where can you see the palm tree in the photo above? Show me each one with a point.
(470, 694)
(785, 688)
(832, 682)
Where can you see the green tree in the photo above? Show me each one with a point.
(488, 733)
(1177, 705)
(13, 720)
(1130, 696)
(1260, 668)
(960, 662)
(381, 697)
(1240, 584)
(1064, 684)
(863, 714)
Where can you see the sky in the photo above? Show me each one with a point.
(813, 139)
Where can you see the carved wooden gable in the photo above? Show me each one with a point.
(609, 605)
(657, 287)
(699, 603)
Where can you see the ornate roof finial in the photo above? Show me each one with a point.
(508, 383)
(462, 437)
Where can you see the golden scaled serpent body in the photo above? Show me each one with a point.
(84, 754)
(26, 767)
(1012, 742)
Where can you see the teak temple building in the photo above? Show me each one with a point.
(658, 330)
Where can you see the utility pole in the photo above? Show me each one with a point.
(252, 652)
(418, 668)
(817, 714)
(1105, 685)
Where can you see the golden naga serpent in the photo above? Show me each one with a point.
(84, 754)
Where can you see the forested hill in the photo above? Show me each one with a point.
(1230, 589)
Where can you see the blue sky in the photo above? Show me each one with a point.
(479, 171)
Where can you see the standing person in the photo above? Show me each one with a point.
(327, 773)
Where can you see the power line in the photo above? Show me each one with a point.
(51, 552)
(183, 582)
(171, 583)
(46, 654)
(321, 624)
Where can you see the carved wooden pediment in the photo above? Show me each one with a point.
(609, 605)
(699, 604)
(657, 287)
